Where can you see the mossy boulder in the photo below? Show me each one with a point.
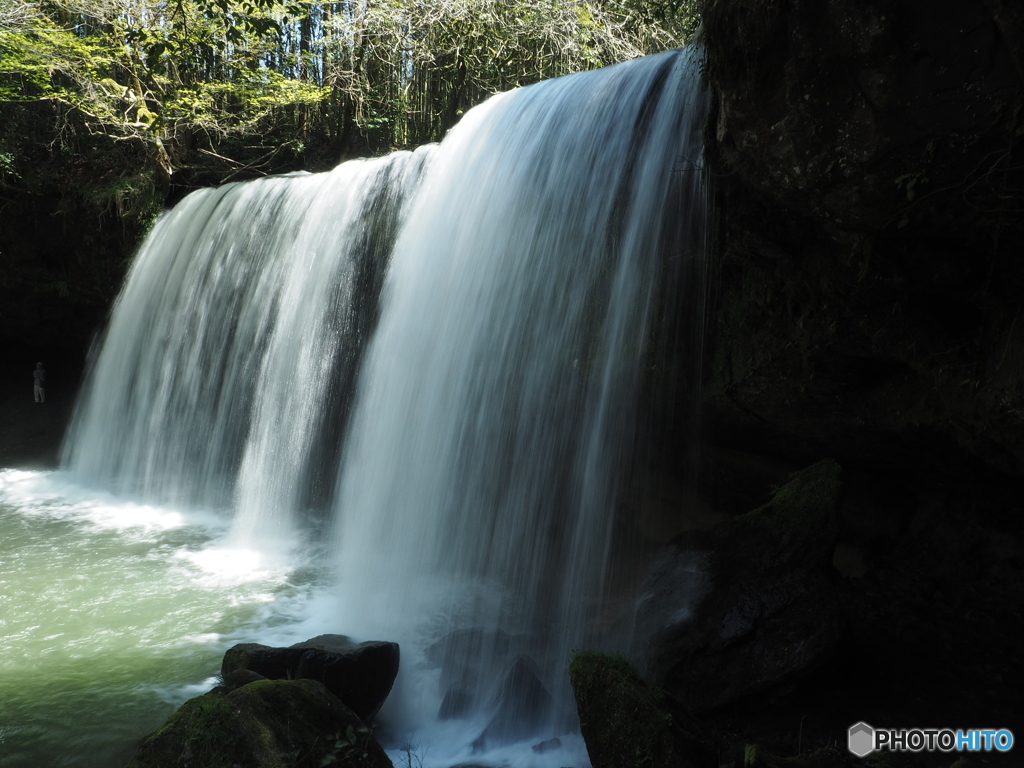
(747, 604)
(265, 724)
(360, 675)
(800, 524)
(627, 724)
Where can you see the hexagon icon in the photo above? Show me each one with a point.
(861, 739)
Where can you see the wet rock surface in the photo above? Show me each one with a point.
(360, 675)
(465, 657)
(521, 706)
(265, 724)
(547, 745)
(628, 724)
(744, 605)
(926, 573)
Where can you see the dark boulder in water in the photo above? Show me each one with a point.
(360, 675)
(747, 604)
(236, 678)
(547, 746)
(272, 663)
(457, 702)
(521, 706)
(467, 657)
(265, 724)
(464, 654)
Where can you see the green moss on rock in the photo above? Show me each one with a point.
(804, 511)
(808, 493)
(265, 724)
(628, 724)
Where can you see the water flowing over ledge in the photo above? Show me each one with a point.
(430, 366)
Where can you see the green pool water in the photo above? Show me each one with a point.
(113, 613)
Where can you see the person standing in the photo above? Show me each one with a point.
(39, 375)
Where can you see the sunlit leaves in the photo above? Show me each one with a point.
(384, 73)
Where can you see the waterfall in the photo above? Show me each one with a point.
(224, 378)
(440, 357)
(494, 409)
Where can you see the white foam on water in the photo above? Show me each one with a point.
(53, 493)
(221, 566)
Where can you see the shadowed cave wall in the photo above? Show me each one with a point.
(865, 305)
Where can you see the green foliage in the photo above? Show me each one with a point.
(380, 73)
(238, 106)
(110, 106)
(7, 165)
(350, 747)
(131, 86)
(201, 27)
(51, 62)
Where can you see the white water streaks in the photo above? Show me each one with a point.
(494, 410)
(491, 303)
(228, 352)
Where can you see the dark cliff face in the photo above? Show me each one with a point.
(871, 191)
(73, 202)
(866, 306)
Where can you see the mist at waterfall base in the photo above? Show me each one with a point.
(397, 401)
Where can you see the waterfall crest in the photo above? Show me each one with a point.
(443, 352)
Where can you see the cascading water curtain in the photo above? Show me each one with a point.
(496, 405)
(232, 347)
(507, 282)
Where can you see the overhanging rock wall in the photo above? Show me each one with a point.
(870, 188)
